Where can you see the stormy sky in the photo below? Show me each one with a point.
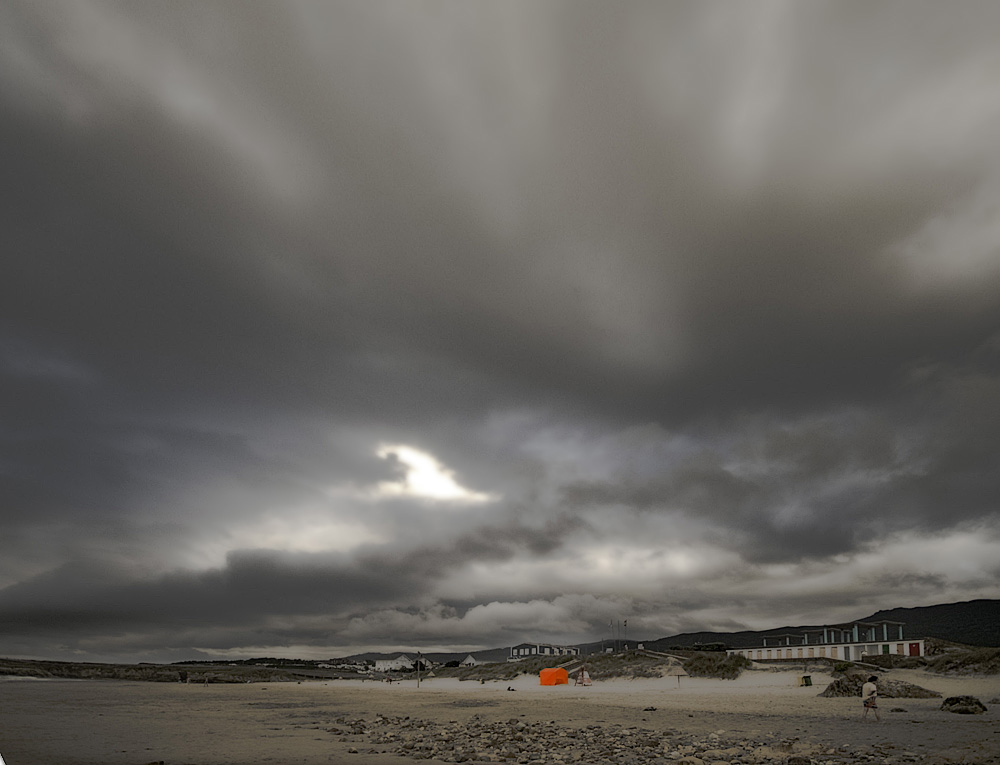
(332, 326)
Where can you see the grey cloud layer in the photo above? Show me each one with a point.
(710, 278)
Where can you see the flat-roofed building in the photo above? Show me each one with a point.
(527, 650)
(850, 641)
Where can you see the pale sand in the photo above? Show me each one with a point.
(130, 723)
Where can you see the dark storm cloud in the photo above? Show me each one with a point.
(277, 598)
(252, 583)
(673, 293)
(267, 579)
(820, 487)
(779, 274)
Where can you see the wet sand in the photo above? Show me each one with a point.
(130, 723)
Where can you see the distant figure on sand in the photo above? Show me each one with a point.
(869, 697)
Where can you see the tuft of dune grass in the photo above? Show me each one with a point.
(717, 665)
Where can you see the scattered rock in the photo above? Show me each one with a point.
(713, 755)
(963, 705)
(897, 709)
(525, 742)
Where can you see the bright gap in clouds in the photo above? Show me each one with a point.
(305, 529)
(424, 477)
(309, 532)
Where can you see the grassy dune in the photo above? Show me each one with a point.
(606, 666)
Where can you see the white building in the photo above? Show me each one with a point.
(470, 661)
(393, 665)
(853, 641)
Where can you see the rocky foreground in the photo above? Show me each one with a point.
(540, 743)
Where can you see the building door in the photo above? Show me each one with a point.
(847, 653)
(914, 649)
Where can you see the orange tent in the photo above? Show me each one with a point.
(554, 676)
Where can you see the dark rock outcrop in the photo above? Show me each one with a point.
(963, 705)
(850, 685)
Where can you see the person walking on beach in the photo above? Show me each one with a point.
(869, 697)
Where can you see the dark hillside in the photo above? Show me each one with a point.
(489, 654)
(745, 639)
(973, 622)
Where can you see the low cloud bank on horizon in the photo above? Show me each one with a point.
(442, 326)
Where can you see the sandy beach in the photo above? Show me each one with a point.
(764, 716)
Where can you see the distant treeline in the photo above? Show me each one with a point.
(707, 647)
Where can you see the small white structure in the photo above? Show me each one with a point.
(470, 661)
(393, 665)
(526, 650)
